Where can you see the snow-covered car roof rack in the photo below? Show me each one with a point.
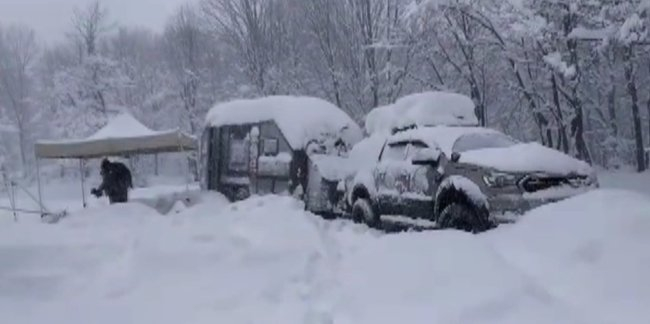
(425, 109)
(396, 130)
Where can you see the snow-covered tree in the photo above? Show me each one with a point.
(18, 53)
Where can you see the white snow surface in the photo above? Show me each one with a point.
(366, 152)
(423, 109)
(301, 119)
(266, 260)
(632, 30)
(442, 137)
(332, 167)
(527, 157)
(122, 126)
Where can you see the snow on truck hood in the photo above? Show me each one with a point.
(423, 109)
(526, 157)
(301, 119)
(521, 157)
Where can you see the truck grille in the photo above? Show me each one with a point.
(534, 183)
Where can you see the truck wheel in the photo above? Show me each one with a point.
(362, 211)
(465, 218)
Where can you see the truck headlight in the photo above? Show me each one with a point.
(500, 180)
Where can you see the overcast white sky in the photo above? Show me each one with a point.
(51, 18)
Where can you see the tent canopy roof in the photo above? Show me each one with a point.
(123, 135)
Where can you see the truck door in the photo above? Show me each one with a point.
(422, 179)
(392, 177)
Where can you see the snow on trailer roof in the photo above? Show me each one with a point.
(301, 119)
(433, 108)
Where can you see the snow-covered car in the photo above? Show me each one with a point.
(462, 177)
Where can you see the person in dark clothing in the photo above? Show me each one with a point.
(116, 182)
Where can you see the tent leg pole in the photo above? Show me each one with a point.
(83, 185)
(12, 199)
(188, 175)
(40, 190)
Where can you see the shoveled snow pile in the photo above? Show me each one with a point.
(584, 260)
(301, 119)
(423, 109)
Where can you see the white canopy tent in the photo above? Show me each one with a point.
(122, 136)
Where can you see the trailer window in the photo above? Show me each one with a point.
(238, 155)
(270, 146)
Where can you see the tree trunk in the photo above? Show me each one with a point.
(648, 107)
(22, 143)
(633, 92)
(563, 141)
(611, 103)
(577, 124)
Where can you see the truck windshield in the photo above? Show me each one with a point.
(479, 141)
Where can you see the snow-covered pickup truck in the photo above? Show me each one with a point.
(461, 177)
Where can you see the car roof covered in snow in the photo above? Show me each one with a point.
(301, 119)
(433, 108)
(443, 137)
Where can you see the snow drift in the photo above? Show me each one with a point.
(583, 260)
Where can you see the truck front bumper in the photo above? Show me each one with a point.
(508, 208)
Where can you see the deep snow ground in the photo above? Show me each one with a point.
(626, 181)
(265, 260)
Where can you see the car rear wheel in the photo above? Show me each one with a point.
(362, 211)
(463, 217)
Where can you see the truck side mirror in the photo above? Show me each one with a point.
(455, 157)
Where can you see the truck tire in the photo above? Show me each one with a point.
(362, 211)
(461, 216)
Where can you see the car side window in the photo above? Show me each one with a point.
(413, 148)
(394, 152)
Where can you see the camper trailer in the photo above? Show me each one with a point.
(277, 145)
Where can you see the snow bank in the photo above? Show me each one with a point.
(590, 253)
(423, 109)
(301, 119)
(527, 157)
(583, 260)
(623, 180)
